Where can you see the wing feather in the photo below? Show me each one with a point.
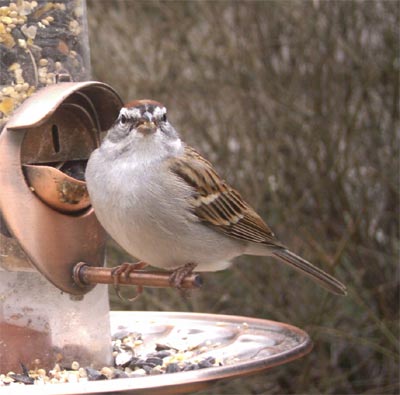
(217, 204)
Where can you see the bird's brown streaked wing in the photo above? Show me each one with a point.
(219, 205)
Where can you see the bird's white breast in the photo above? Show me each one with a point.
(146, 210)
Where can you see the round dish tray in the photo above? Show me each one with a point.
(243, 345)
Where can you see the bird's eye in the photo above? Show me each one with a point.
(164, 118)
(123, 120)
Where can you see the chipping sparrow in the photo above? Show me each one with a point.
(166, 205)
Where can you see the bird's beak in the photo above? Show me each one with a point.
(147, 127)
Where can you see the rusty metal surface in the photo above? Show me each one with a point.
(247, 345)
(59, 123)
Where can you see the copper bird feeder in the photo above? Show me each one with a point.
(49, 224)
(51, 229)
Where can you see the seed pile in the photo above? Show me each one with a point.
(163, 359)
(130, 360)
(39, 42)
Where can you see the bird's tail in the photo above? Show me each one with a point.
(316, 274)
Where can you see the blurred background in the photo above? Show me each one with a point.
(297, 105)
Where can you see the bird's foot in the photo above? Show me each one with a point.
(124, 270)
(178, 275)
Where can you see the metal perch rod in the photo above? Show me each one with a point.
(85, 275)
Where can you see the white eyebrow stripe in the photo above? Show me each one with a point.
(159, 112)
(130, 112)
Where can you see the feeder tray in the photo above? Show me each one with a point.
(244, 345)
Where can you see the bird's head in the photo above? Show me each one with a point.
(142, 128)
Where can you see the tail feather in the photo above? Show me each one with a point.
(315, 273)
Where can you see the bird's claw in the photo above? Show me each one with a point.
(124, 270)
(178, 275)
